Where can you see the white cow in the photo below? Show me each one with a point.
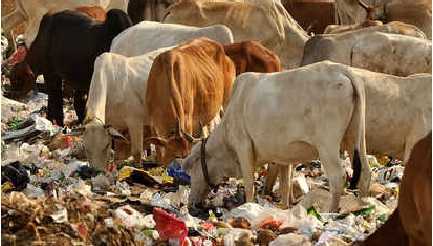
(330, 106)
(32, 11)
(266, 21)
(376, 51)
(398, 114)
(116, 102)
(150, 35)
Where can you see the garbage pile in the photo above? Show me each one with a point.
(52, 196)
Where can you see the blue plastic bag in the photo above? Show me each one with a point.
(179, 175)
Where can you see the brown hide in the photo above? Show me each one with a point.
(251, 56)
(186, 88)
(94, 12)
(312, 15)
(415, 194)
(391, 233)
(410, 224)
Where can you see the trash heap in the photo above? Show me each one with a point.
(52, 196)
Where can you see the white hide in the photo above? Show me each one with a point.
(116, 98)
(150, 35)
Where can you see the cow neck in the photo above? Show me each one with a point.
(294, 41)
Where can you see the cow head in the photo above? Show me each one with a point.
(176, 145)
(97, 139)
(220, 160)
(22, 78)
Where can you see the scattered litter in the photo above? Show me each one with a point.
(47, 183)
(15, 175)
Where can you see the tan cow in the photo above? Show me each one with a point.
(396, 27)
(334, 110)
(32, 11)
(410, 224)
(186, 88)
(251, 56)
(376, 51)
(398, 114)
(266, 21)
(417, 12)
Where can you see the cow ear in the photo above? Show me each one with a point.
(116, 134)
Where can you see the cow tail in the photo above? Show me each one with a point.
(116, 22)
(357, 131)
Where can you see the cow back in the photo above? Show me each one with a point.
(95, 12)
(251, 56)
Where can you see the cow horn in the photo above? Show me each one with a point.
(190, 138)
(364, 5)
(113, 132)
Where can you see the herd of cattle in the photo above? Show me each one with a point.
(268, 91)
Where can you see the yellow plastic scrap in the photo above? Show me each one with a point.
(7, 186)
(160, 173)
(124, 173)
(156, 171)
(383, 160)
(166, 179)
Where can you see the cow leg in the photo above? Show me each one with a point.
(55, 98)
(246, 160)
(136, 134)
(292, 199)
(334, 171)
(80, 104)
(285, 184)
(271, 178)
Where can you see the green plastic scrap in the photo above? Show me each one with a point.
(14, 123)
(382, 218)
(364, 211)
(312, 211)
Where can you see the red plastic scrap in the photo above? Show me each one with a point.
(270, 224)
(168, 226)
(207, 226)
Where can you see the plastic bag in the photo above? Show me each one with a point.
(135, 175)
(253, 212)
(291, 239)
(16, 174)
(131, 218)
(169, 227)
(179, 175)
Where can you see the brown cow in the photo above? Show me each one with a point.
(187, 86)
(251, 56)
(410, 224)
(312, 15)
